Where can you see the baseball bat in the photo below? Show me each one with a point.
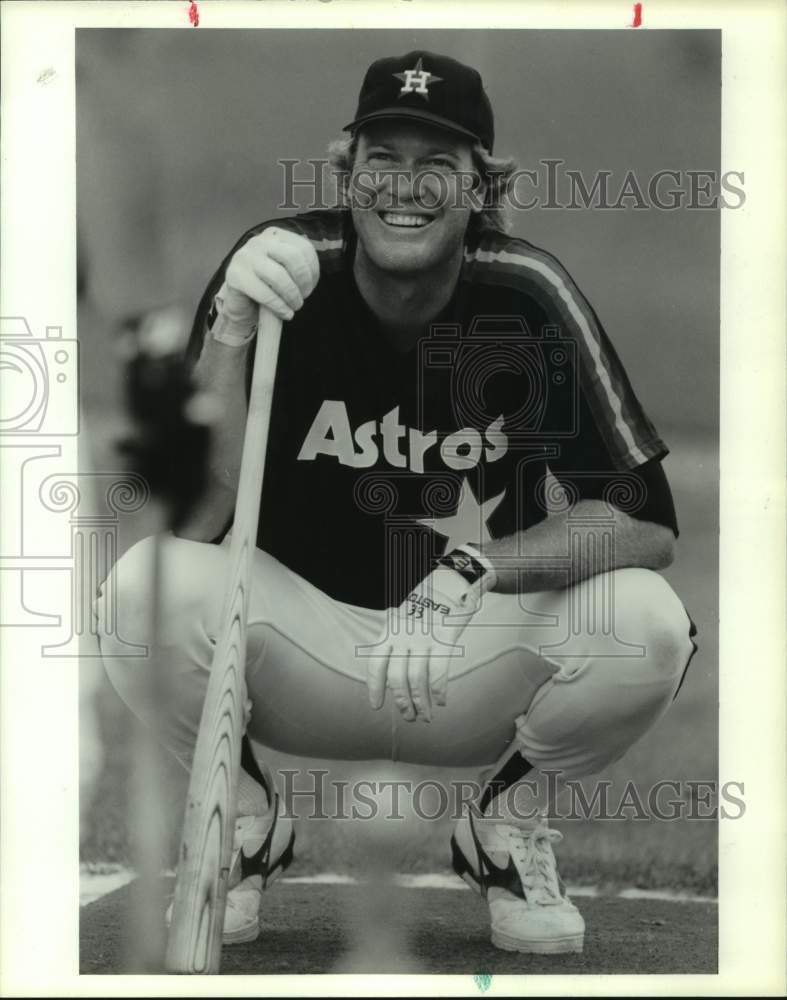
(194, 944)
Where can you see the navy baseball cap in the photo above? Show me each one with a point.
(429, 88)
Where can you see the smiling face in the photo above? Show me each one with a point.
(409, 195)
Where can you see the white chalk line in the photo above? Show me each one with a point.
(96, 881)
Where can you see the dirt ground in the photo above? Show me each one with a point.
(346, 928)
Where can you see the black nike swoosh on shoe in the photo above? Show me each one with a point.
(489, 875)
(259, 862)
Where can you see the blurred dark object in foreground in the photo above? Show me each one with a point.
(168, 446)
(171, 418)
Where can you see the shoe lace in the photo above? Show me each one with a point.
(534, 858)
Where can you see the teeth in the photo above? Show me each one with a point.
(394, 219)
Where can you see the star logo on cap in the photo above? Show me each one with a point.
(417, 80)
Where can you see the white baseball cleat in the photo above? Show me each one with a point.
(514, 869)
(262, 849)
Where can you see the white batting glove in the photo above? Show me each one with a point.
(422, 634)
(277, 269)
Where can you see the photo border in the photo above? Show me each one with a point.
(39, 752)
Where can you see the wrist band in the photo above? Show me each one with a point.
(227, 331)
(470, 564)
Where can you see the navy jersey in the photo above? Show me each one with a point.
(380, 459)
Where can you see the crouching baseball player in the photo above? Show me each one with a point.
(416, 595)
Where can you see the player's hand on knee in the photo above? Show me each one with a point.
(420, 637)
(405, 673)
(277, 269)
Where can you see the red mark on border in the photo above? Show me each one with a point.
(637, 16)
(194, 14)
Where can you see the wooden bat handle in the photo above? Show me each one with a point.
(194, 944)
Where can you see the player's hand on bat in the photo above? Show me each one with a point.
(419, 639)
(277, 269)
